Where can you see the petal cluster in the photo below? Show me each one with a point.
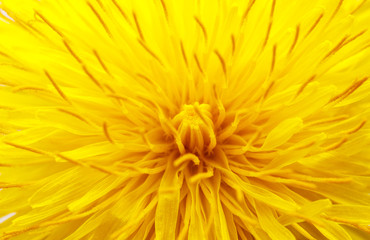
(174, 119)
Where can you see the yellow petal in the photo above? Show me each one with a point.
(263, 195)
(333, 231)
(268, 222)
(282, 133)
(358, 214)
(104, 186)
(168, 205)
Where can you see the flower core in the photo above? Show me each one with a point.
(195, 129)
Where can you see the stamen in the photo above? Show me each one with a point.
(268, 89)
(357, 128)
(105, 26)
(229, 130)
(164, 9)
(106, 132)
(138, 27)
(328, 120)
(212, 144)
(220, 107)
(273, 8)
(101, 5)
(6, 107)
(273, 58)
(304, 85)
(201, 25)
(355, 37)
(212, 137)
(30, 149)
(249, 7)
(198, 63)
(80, 163)
(22, 88)
(295, 39)
(358, 7)
(27, 26)
(246, 148)
(141, 170)
(97, 83)
(315, 24)
(186, 157)
(121, 11)
(7, 165)
(49, 24)
(267, 34)
(270, 23)
(150, 81)
(151, 52)
(233, 44)
(348, 91)
(5, 55)
(204, 175)
(110, 89)
(184, 54)
(201, 115)
(336, 48)
(222, 61)
(73, 114)
(101, 62)
(344, 42)
(337, 9)
(167, 126)
(362, 49)
(72, 52)
(336, 145)
(195, 128)
(129, 99)
(310, 144)
(61, 93)
(13, 185)
(179, 144)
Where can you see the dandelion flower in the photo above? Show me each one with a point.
(184, 119)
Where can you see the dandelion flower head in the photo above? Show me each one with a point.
(184, 119)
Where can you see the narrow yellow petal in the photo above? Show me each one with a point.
(269, 223)
(282, 133)
(168, 205)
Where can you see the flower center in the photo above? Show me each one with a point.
(195, 128)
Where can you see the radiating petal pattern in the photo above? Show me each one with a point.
(184, 119)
